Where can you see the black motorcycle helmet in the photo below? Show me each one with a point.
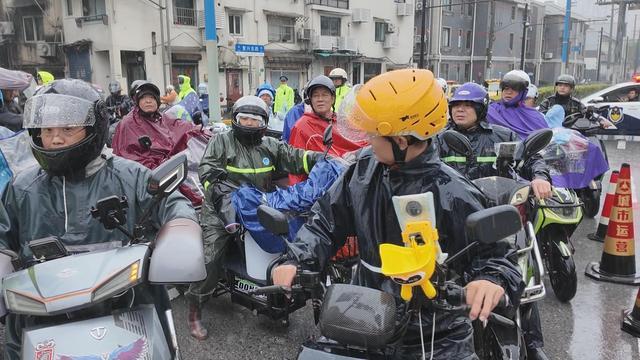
(67, 103)
(319, 81)
(146, 88)
(134, 86)
(517, 80)
(566, 79)
(250, 106)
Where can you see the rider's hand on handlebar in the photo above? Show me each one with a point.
(541, 188)
(605, 123)
(283, 275)
(483, 296)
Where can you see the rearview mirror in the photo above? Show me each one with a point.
(166, 178)
(458, 143)
(535, 142)
(327, 137)
(273, 220)
(490, 225)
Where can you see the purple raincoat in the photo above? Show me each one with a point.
(516, 116)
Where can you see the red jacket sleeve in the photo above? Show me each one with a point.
(297, 140)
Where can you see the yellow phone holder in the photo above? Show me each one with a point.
(414, 263)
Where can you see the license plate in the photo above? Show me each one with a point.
(243, 286)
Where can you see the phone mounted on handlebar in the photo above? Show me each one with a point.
(48, 248)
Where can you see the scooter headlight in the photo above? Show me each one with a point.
(121, 281)
(22, 304)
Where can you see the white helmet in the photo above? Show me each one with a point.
(338, 73)
(443, 84)
(532, 91)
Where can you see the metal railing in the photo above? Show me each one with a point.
(184, 16)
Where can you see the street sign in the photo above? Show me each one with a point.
(249, 50)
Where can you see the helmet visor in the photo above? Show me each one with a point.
(350, 117)
(56, 110)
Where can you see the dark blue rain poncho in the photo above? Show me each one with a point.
(293, 200)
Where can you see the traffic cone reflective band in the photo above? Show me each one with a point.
(618, 262)
(601, 231)
(631, 318)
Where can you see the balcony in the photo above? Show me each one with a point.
(185, 16)
(340, 4)
(325, 43)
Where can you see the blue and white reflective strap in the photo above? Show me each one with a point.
(370, 267)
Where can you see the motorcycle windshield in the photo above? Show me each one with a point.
(497, 189)
(573, 159)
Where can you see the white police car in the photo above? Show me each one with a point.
(615, 105)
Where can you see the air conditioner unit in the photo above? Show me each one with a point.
(6, 28)
(404, 9)
(360, 15)
(45, 49)
(548, 56)
(305, 34)
(390, 41)
(391, 28)
(325, 43)
(348, 44)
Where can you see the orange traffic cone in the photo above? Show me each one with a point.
(618, 262)
(631, 318)
(601, 231)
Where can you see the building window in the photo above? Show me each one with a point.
(329, 26)
(446, 4)
(93, 7)
(470, 9)
(460, 38)
(467, 71)
(513, 13)
(69, 7)
(381, 29)
(235, 24)
(281, 29)
(33, 28)
(340, 4)
(444, 71)
(355, 75)
(468, 40)
(184, 12)
(371, 70)
(446, 37)
(510, 41)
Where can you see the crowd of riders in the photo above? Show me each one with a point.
(391, 123)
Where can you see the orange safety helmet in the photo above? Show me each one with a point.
(397, 103)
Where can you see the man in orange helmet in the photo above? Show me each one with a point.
(401, 112)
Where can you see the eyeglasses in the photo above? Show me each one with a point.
(66, 132)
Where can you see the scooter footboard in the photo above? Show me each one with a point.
(132, 334)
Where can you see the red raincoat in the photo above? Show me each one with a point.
(308, 133)
(168, 137)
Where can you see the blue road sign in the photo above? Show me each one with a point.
(249, 50)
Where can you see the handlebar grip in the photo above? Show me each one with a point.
(462, 297)
(271, 289)
(499, 319)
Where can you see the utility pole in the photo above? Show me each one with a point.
(213, 82)
(609, 50)
(565, 37)
(492, 36)
(524, 35)
(473, 41)
(622, 30)
(599, 55)
(164, 53)
(422, 32)
(169, 56)
(635, 45)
